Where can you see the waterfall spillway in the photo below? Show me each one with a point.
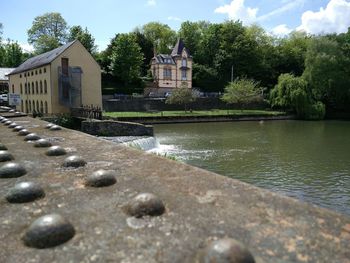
(142, 143)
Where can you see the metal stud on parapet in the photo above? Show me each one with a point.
(12, 170)
(55, 151)
(42, 143)
(101, 178)
(49, 125)
(7, 123)
(2, 147)
(55, 128)
(23, 132)
(13, 125)
(18, 128)
(4, 120)
(25, 192)
(74, 161)
(145, 204)
(32, 137)
(6, 156)
(226, 250)
(48, 231)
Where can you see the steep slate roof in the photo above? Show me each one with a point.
(177, 50)
(161, 59)
(4, 72)
(42, 59)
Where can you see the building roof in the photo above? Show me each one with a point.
(4, 72)
(177, 50)
(164, 59)
(42, 59)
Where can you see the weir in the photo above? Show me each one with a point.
(103, 224)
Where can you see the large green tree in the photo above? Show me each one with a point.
(161, 35)
(13, 56)
(84, 36)
(327, 71)
(182, 96)
(126, 58)
(47, 32)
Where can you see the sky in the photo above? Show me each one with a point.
(105, 18)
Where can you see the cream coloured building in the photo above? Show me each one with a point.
(56, 81)
(172, 71)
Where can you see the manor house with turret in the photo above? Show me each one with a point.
(172, 71)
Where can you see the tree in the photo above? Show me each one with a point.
(327, 72)
(126, 58)
(161, 35)
(182, 96)
(242, 92)
(84, 36)
(13, 56)
(48, 31)
(146, 48)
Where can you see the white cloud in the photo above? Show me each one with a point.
(26, 47)
(281, 30)
(335, 18)
(238, 11)
(174, 18)
(151, 2)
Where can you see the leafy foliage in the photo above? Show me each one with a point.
(182, 96)
(84, 36)
(48, 31)
(126, 58)
(242, 91)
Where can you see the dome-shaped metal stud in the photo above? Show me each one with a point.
(6, 156)
(42, 143)
(18, 113)
(226, 250)
(145, 204)
(4, 120)
(49, 125)
(12, 170)
(48, 231)
(23, 132)
(2, 147)
(32, 137)
(55, 128)
(11, 111)
(25, 192)
(74, 161)
(7, 123)
(18, 128)
(55, 151)
(101, 178)
(13, 125)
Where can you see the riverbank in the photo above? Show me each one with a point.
(170, 117)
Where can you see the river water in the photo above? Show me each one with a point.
(306, 160)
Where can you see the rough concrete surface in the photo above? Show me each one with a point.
(200, 207)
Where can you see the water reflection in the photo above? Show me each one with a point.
(306, 160)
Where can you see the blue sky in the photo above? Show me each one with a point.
(105, 18)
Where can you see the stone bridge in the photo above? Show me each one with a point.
(88, 208)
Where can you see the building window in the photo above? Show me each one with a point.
(33, 88)
(39, 71)
(167, 73)
(26, 106)
(183, 74)
(37, 106)
(30, 106)
(36, 72)
(41, 87)
(44, 70)
(46, 111)
(25, 74)
(45, 87)
(21, 89)
(20, 75)
(184, 62)
(21, 105)
(36, 87)
(25, 88)
(41, 107)
(13, 88)
(32, 73)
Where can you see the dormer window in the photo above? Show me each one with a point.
(184, 62)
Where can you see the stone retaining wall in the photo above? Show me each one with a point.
(115, 128)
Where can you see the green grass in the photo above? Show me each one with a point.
(190, 114)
